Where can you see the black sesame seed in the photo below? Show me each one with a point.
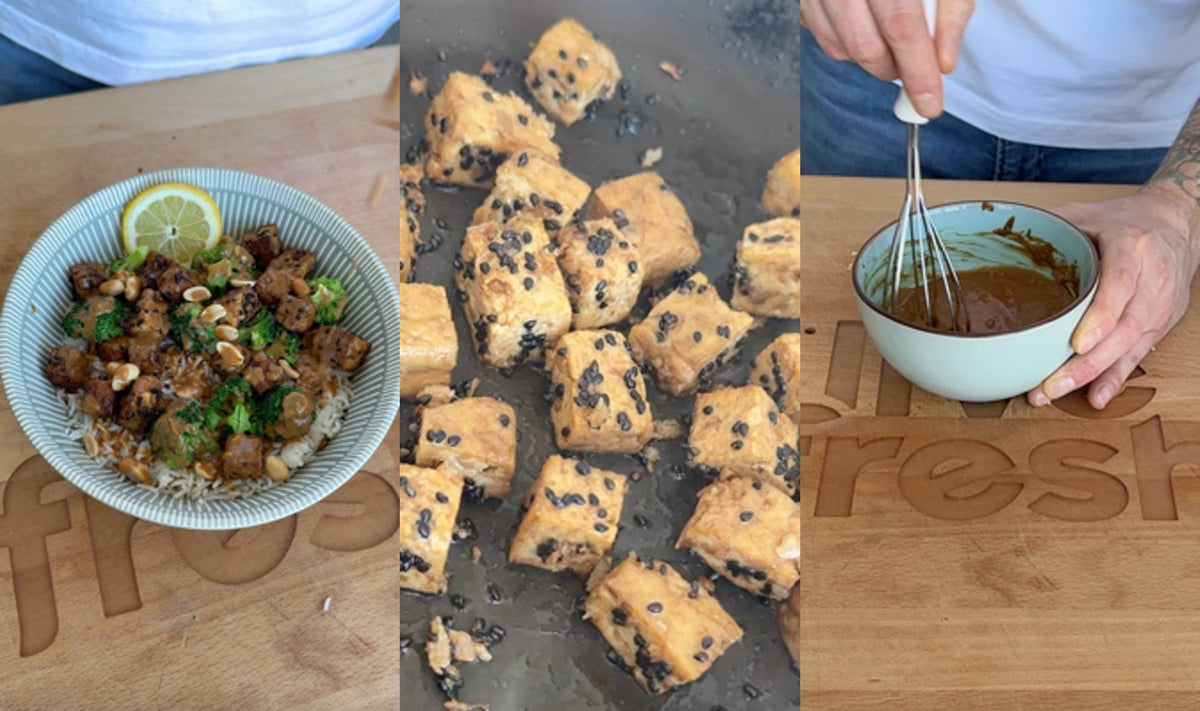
(522, 160)
(735, 444)
(487, 96)
(619, 616)
(600, 528)
(528, 283)
(707, 641)
(746, 516)
(641, 521)
(442, 498)
(504, 420)
(751, 691)
(610, 484)
(708, 410)
(697, 336)
(444, 126)
(655, 607)
(459, 602)
(453, 440)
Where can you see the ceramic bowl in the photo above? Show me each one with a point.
(40, 293)
(977, 367)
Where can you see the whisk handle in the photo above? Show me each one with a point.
(903, 108)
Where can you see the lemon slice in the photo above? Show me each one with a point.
(175, 219)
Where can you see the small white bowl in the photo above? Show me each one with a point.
(977, 367)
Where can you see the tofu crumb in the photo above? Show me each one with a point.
(488, 69)
(671, 70)
(417, 83)
(325, 605)
(651, 156)
(476, 554)
(464, 706)
(668, 429)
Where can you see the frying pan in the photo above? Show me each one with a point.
(721, 127)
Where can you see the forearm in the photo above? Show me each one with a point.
(1178, 178)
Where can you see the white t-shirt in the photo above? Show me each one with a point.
(1079, 73)
(129, 41)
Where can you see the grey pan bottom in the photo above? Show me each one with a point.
(721, 128)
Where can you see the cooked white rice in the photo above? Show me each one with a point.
(116, 443)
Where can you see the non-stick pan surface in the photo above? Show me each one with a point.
(721, 127)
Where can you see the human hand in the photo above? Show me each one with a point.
(890, 39)
(1146, 266)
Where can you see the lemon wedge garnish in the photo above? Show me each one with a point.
(175, 219)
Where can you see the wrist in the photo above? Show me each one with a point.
(1178, 204)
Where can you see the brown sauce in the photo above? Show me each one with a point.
(296, 418)
(997, 299)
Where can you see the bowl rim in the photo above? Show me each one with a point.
(217, 518)
(1084, 293)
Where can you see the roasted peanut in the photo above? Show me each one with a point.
(225, 332)
(231, 356)
(134, 469)
(111, 366)
(90, 444)
(133, 288)
(300, 287)
(276, 469)
(205, 470)
(112, 287)
(125, 374)
(288, 370)
(212, 313)
(197, 294)
(238, 282)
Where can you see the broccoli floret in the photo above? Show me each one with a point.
(188, 330)
(131, 261)
(179, 435)
(229, 395)
(208, 256)
(217, 275)
(329, 296)
(286, 346)
(261, 332)
(96, 320)
(269, 407)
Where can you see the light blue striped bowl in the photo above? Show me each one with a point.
(40, 293)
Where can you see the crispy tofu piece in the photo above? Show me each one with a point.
(476, 438)
(766, 273)
(569, 69)
(781, 194)
(602, 273)
(472, 129)
(429, 501)
(777, 370)
(789, 625)
(512, 291)
(529, 183)
(649, 214)
(740, 432)
(428, 342)
(748, 532)
(667, 631)
(688, 335)
(410, 216)
(599, 396)
(571, 517)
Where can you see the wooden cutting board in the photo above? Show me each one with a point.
(988, 556)
(100, 611)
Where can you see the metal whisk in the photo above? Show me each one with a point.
(915, 234)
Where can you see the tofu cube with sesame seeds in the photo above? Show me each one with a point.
(651, 217)
(570, 519)
(512, 291)
(666, 630)
(409, 229)
(476, 438)
(472, 128)
(789, 625)
(781, 194)
(688, 335)
(748, 532)
(776, 369)
(740, 432)
(529, 183)
(601, 271)
(410, 215)
(428, 342)
(766, 272)
(429, 500)
(569, 69)
(598, 394)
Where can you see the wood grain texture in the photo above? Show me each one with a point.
(990, 556)
(135, 615)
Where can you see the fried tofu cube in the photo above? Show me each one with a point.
(688, 335)
(766, 273)
(476, 438)
(599, 396)
(651, 217)
(748, 532)
(410, 215)
(512, 291)
(777, 370)
(789, 625)
(666, 630)
(781, 194)
(429, 500)
(428, 343)
(531, 184)
(472, 129)
(571, 516)
(408, 245)
(740, 432)
(601, 270)
(569, 69)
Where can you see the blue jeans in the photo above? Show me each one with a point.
(26, 75)
(847, 128)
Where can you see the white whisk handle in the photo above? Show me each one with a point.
(903, 108)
